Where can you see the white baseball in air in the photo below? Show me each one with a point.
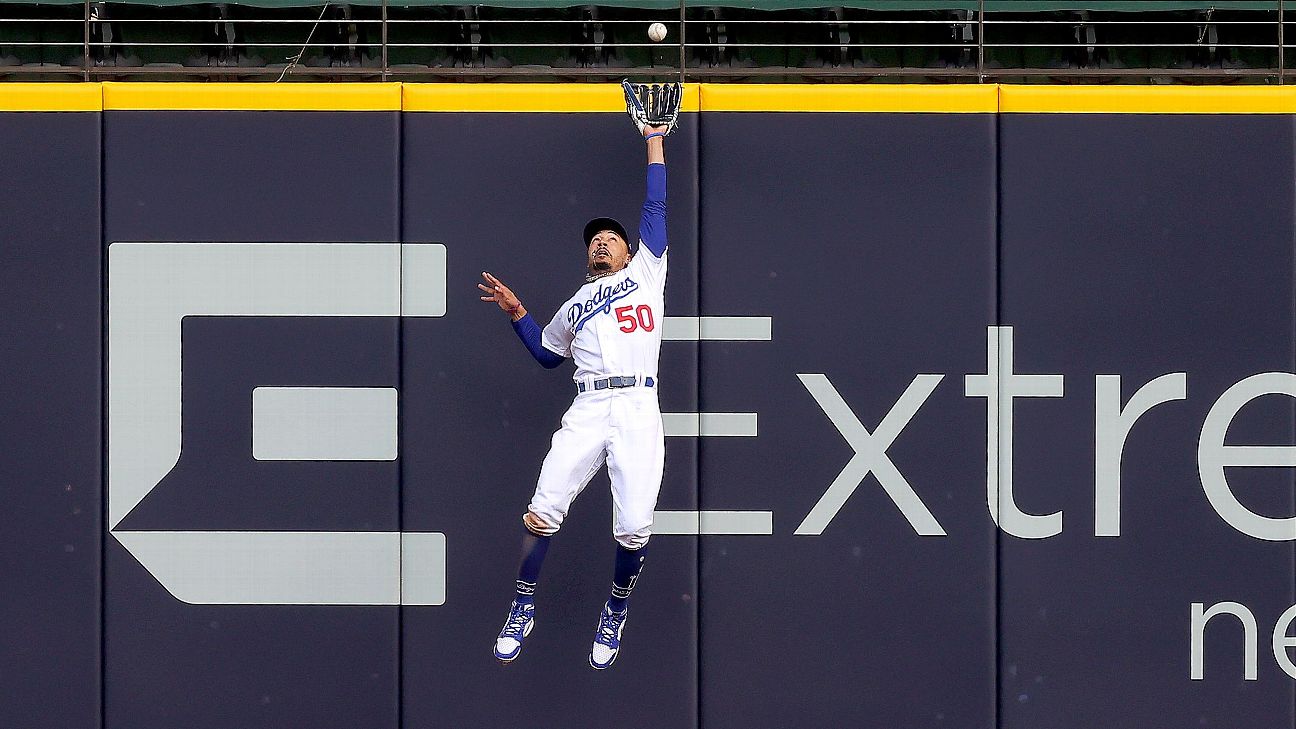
(656, 31)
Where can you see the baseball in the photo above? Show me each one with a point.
(656, 31)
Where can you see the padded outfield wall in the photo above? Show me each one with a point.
(979, 407)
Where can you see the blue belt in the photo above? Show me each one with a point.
(612, 383)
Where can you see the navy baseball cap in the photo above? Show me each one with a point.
(597, 224)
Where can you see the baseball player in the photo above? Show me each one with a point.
(611, 328)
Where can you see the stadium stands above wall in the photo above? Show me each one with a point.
(1093, 41)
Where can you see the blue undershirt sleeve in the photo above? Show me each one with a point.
(652, 226)
(529, 332)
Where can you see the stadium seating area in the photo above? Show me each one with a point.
(1128, 42)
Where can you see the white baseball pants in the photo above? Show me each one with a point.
(623, 427)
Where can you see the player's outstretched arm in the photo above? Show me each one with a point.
(656, 145)
(652, 225)
(527, 330)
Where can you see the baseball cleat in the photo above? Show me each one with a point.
(607, 638)
(521, 619)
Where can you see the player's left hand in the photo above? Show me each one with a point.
(653, 130)
(653, 106)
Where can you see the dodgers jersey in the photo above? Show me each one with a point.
(612, 325)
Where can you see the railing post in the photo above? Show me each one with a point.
(384, 41)
(981, 41)
(1282, 55)
(85, 44)
(681, 42)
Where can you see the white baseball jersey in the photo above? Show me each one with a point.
(612, 328)
(612, 325)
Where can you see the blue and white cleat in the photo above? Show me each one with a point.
(521, 619)
(607, 638)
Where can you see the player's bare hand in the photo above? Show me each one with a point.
(495, 291)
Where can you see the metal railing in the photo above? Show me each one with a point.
(217, 41)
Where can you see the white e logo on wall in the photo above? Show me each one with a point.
(151, 288)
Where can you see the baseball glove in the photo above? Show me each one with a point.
(653, 105)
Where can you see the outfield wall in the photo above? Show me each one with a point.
(969, 432)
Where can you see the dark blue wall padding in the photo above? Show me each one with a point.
(882, 250)
(254, 176)
(50, 462)
(870, 241)
(1140, 246)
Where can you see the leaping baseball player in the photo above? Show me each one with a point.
(611, 327)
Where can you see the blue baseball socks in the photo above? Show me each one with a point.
(534, 548)
(628, 564)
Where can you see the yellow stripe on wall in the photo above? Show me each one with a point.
(50, 97)
(936, 98)
(524, 97)
(1147, 99)
(252, 96)
(607, 97)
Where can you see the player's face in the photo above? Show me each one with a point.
(607, 252)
